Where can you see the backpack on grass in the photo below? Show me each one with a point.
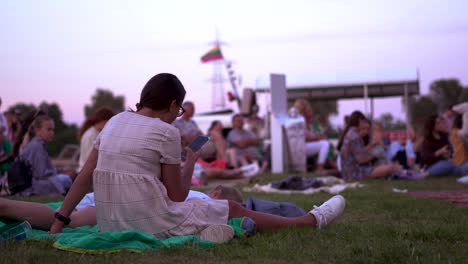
(19, 175)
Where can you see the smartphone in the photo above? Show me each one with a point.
(196, 144)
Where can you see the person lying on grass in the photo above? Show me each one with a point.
(135, 173)
(41, 216)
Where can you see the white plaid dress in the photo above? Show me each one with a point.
(129, 193)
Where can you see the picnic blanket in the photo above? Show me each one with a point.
(458, 197)
(88, 240)
(330, 185)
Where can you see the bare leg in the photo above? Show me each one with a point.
(222, 173)
(264, 167)
(268, 222)
(42, 216)
(320, 169)
(232, 159)
(243, 161)
(385, 170)
(83, 217)
(36, 214)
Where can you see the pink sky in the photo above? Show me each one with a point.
(61, 51)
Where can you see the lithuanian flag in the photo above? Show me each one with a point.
(212, 55)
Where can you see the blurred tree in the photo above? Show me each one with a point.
(421, 108)
(325, 108)
(386, 119)
(23, 109)
(64, 133)
(54, 111)
(104, 98)
(446, 93)
(389, 122)
(67, 135)
(464, 95)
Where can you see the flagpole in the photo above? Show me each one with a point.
(232, 79)
(217, 78)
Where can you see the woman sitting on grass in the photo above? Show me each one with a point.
(138, 183)
(89, 132)
(437, 151)
(46, 179)
(460, 148)
(356, 157)
(215, 132)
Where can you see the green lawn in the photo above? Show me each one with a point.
(377, 226)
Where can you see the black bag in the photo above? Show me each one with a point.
(19, 175)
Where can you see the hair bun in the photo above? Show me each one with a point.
(138, 106)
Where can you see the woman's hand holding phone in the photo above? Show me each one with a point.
(190, 156)
(192, 151)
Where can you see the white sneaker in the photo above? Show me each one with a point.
(250, 170)
(328, 211)
(216, 233)
(463, 179)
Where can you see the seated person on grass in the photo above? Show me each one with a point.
(46, 179)
(215, 132)
(6, 154)
(245, 144)
(202, 173)
(462, 109)
(41, 216)
(355, 155)
(436, 150)
(188, 129)
(89, 132)
(401, 151)
(460, 148)
(316, 140)
(219, 168)
(378, 150)
(143, 148)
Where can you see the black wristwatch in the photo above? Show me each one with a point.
(64, 219)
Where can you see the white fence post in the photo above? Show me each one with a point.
(279, 111)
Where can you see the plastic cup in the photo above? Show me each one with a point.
(16, 231)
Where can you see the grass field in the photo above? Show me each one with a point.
(378, 226)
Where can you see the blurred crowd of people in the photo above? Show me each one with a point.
(364, 149)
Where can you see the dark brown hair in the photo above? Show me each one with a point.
(429, 128)
(103, 114)
(213, 124)
(235, 116)
(160, 91)
(354, 120)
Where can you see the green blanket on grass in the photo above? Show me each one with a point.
(87, 239)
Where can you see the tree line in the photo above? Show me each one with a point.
(66, 133)
(443, 94)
